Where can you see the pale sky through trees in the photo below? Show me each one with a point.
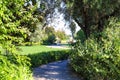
(66, 29)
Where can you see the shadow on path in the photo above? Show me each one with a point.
(54, 71)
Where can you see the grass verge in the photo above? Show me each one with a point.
(42, 55)
(26, 50)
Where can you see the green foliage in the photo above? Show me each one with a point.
(99, 60)
(13, 19)
(80, 36)
(50, 35)
(14, 68)
(70, 4)
(38, 35)
(60, 34)
(46, 57)
(42, 6)
(51, 39)
(9, 20)
(92, 15)
(17, 20)
(49, 30)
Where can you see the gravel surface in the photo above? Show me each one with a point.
(54, 71)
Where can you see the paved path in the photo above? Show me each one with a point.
(54, 71)
(58, 46)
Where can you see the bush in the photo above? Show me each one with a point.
(80, 35)
(12, 65)
(61, 34)
(14, 19)
(46, 57)
(14, 68)
(99, 60)
(50, 39)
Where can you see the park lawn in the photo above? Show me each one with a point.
(25, 50)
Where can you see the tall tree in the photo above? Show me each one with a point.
(17, 19)
(12, 15)
(60, 34)
(50, 32)
(92, 15)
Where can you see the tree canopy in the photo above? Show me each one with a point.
(95, 57)
(92, 15)
(17, 20)
(14, 19)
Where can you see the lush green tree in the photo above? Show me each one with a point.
(60, 34)
(23, 19)
(10, 17)
(38, 35)
(50, 33)
(49, 30)
(30, 23)
(92, 15)
(14, 16)
(95, 60)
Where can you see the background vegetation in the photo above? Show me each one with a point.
(99, 60)
(41, 54)
(12, 31)
(40, 58)
(96, 55)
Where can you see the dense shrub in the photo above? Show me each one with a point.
(14, 67)
(49, 37)
(46, 57)
(61, 34)
(99, 60)
(16, 17)
(80, 35)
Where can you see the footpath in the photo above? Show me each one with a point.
(54, 71)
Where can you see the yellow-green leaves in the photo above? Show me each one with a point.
(12, 65)
(99, 60)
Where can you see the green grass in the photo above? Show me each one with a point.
(25, 50)
(41, 54)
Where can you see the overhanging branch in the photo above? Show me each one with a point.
(80, 24)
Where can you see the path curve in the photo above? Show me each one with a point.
(54, 71)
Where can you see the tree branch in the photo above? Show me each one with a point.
(80, 24)
(112, 14)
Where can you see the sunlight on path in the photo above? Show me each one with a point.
(54, 71)
(58, 46)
